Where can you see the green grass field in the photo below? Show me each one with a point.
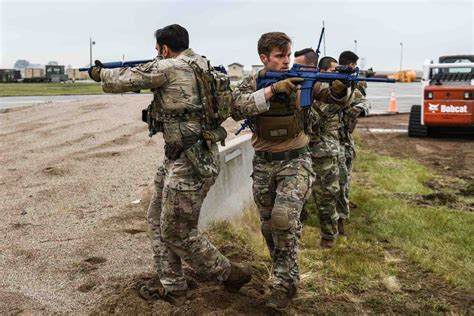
(40, 89)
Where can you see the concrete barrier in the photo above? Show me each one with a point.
(232, 192)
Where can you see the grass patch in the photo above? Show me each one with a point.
(40, 89)
(439, 238)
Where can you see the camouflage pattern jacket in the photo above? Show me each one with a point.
(358, 102)
(175, 90)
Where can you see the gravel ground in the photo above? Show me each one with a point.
(71, 175)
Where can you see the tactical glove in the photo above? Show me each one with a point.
(94, 72)
(354, 113)
(362, 87)
(286, 86)
(215, 135)
(338, 89)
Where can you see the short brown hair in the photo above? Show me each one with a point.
(269, 41)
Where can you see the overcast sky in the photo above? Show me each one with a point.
(227, 31)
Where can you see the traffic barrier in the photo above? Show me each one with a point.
(232, 192)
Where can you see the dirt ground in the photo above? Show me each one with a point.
(75, 181)
(449, 154)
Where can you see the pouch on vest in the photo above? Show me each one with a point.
(277, 127)
(203, 161)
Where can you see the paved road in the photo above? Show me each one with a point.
(12, 102)
(406, 94)
(379, 94)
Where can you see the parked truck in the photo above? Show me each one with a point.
(447, 103)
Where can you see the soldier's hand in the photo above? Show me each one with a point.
(362, 87)
(286, 86)
(338, 89)
(94, 73)
(354, 112)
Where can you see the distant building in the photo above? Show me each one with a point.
(9, 75)
(56, 73)
(34, 72)
(75, 74)
(235, 71)
(256, 69)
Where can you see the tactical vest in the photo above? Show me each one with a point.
(282, 121)
(215, 97)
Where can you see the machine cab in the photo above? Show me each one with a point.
(448, 92)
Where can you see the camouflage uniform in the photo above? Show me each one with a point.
(187, 173)
(280, 189)
(324, 147)
(347, 146)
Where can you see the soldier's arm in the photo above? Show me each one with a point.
(360, 102)
(247, 102)
(152, 75)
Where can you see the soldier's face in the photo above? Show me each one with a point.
(277, 60)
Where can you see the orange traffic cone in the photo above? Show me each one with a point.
(392, 106)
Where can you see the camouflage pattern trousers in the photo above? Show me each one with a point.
(280, 189)
(325, 189)
(346, 157)
(173, 219)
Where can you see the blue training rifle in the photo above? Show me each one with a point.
(133, 63)
(310, 75)
(118, 64)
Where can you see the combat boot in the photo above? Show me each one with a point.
(340, 226)
(238, 277)
(327, 243)
(154, 293)
(280, 298)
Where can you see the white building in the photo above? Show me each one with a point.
(235, 71)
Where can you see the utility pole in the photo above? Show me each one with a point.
(91, 42)
(355, 46)
(401, 56)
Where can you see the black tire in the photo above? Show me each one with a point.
(415, 129)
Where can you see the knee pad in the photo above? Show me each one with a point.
(280, 218)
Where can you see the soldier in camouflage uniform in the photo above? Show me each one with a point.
(282, 172)
(358, 105)
(324, 145)
(189, 170)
